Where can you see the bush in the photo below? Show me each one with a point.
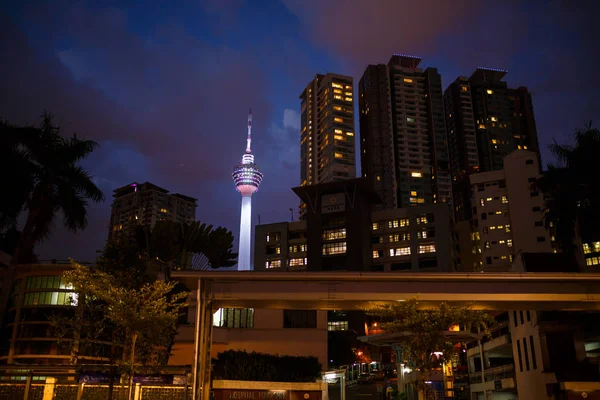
(244, 366)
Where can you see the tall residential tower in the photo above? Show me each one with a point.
(247, 178)
(145, 204)
(404, 151)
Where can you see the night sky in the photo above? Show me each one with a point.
(165, 86)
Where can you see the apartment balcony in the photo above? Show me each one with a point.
(504, 372)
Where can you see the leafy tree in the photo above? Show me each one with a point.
(570, 190)
(424, 331)
(144, 315)
(42, 178)
(187, 246)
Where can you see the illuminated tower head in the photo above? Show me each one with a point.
(247, 175)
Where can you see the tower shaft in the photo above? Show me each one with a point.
(245, 234)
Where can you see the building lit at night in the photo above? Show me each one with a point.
(247, 178)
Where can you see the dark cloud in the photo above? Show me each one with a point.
(168, 108)
(548, 46)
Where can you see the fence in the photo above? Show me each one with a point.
(53, 391)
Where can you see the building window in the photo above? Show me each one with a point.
(504, 199)
(273, 264)
(337, 119)
(490, 91)
(401, 251)
(273, 237)
(464, 88)
(294, 248)
(396, 223)
(541, 239)
(46, 282)
(297, 262)
(426, 248)
(422, 235)
(408, 80)
(333, 234)
(422, 219)
(300, 319)
(411, 120)
(337, 325)
(338, 155)
(50, 299)
(375, 253)
(416, 174)
(375, 226)
(334, 248)
(234, 318)
(509, 242)
(482, 202)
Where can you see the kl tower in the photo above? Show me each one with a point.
(247, 178)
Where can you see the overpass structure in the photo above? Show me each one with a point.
(358, 290)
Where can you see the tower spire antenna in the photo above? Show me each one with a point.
(249, 140)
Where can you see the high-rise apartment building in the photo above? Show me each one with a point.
(327, 130)
(485, 122)
(403, 133)
(508, 216)
(145, 204)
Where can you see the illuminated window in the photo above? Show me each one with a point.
(348, 93)
(492, 228)
(337, 325)
(592, 261)
(596, 246)
(481, 126)
(337, 119)
(297, 262)
(338, 91)
(489, 199)
(586, 248)
(339, 137)
(494, 119)
(348, 99)
(509, 242)
(490, 91)
(337, 108)
(504, 199)
(401, 251)
(273, 237)
(334, 248)
(333, 234)
(375, 254)
(338, 131)
(507, 228)
(418, 200)
(413, 193)
(398, 223)
(498, 212)
(416, 174)
(494, 141)
(234, 318)
(50, 299)
(408, 80)
(482, 202)
(394, 238)
(464, 88)
(350, 133)
(378, 178)
(408, 119)
(422, 219)
(338, 155)
(273, 264)
(337, 85)
(348, 87)
(426, 248)
(46, 282)
(163, 210)
(375, 226)
(338, 97)
(524, 147)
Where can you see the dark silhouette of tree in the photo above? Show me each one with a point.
(571, 192)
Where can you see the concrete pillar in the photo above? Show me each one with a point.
(342, 387)
(49, 388)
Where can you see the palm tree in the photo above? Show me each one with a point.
(45, 182)
(570, 189)
(187, 246)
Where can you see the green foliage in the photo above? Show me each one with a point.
(424, 331)
(240, 365)
(187, 246)
(571, 192)
(146, 316)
